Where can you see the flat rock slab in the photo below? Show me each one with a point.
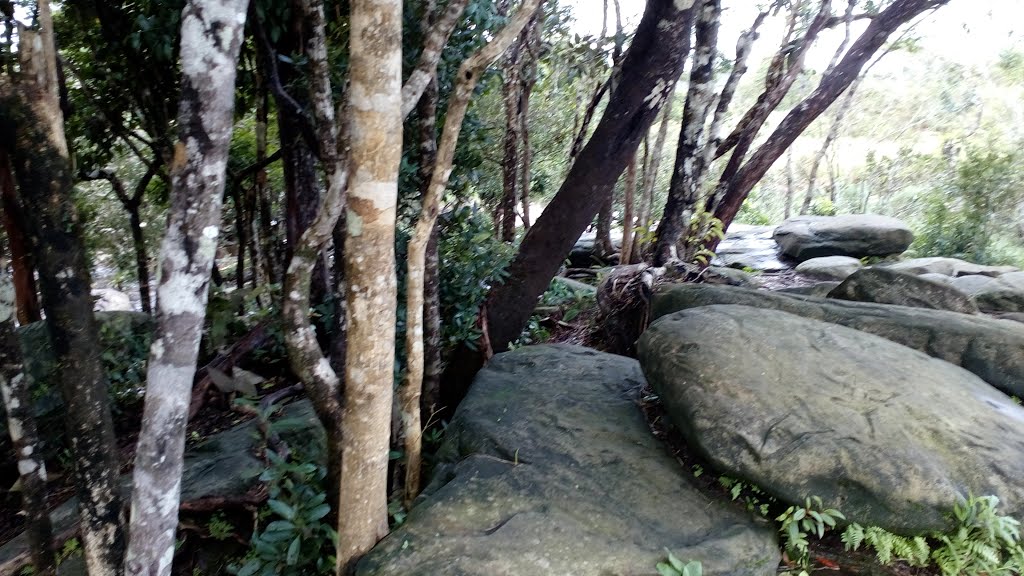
(1002, 294)
(889, 436)
(856, 235)
(829, 267)
(888, 286)
(750, 247)
(992, 349)
(948, 267)
(550, 469)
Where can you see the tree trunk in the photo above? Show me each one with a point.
(511, 89)
(375, 73)
(603, 241)
(735, 189)
(651, 66)
(141, 258)
(211, 37)
(409, 394)
(628, 193)
(42, 168)
(17, 240)
(790, 185)
(21, 424)
(650, 181)
(528, 77)
(833, 134)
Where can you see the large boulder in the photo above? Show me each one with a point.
(549, 468)
(886, 434)
(1002, 294)
(829, 267)
(749, 247)
(990, 348)
(856, 235)
(887, 286)
(947, 267)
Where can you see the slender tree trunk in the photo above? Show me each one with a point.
(42, 168)
(14, 220)
(645, 223)
(375, 73)
(790, 185)
(833, 134)
(603, 242)
(141, 258)
(735, 188)
(209, 64)
(628, 194)
(511, 89)
(688, 172)
(651, 66)
(528, 77)
(21, 424)
(409, 394)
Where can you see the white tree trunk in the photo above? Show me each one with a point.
(211, 36)
(375, 75)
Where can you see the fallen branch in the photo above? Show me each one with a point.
(225, 362)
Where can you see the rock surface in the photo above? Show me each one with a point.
(829, 267)
(1002, 294)
(887, 435)
(820, 290)
(990, 348)
(750, 247)
(550, 469)
(887, 286)
(110, 300)
(856, 235)
(947, 267)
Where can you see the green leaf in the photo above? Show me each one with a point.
(250, 568)
(293, 551)
(666, 570)
(282, 509)
(676, 562)
(318, 512)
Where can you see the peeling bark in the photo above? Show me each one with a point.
(17, 398)
(32, 124)
(211, 37)
(409, 394)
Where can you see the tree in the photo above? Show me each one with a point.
(32, 130)
(208, 64)
(650, 68)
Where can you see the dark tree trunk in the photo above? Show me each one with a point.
(26, 295)
(21, 424)
(31, 123)
(512, 91)
(652, 65)
(141, 258)
(832, 85)
(430, 398)
(603, 240)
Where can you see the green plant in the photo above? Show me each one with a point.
(676, 567)
(296, 541)
(704, 228)
(125, 352)
(71, 547)
(984, 542)
(797, 522)
(753, 497)
(887, 546)
(823, 207)
(219, 527)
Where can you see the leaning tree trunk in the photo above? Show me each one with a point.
(832, 85)
(468, 75)
(651, 66)
(211, 37)
(21, 424)
(375, 74)
(42, 169)
(650, 180)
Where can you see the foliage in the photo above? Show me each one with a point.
(915, 551)
(473, 259)
(823, 207)
(797, 522)
(960, 219)
(291, 538)
(754, 498)
(676, 567)
(124, 356)
(704, 228)
(984, 542)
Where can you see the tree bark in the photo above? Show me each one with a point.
(426, 66)
(651, 67)
(409, 394)
(511, 89)
(528, 78)
(211, 38)
(375, 73)
(787, 204)
(21, 424)
(650, 180)
(33, 127)
(24, 272)
(628, 194)
(833, 134)
(688, 172)
(736, 188)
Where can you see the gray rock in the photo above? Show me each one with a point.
(749, 247)
(857, 235)
(110, 300)
(887, 286)
(732, 276)
(947, 267)
(970, 285)
(1003, 294)
(550, 469)
(887, 435)
(935, 277)
(220, 467)
(990, 348)
(820, 290)
(829, 267)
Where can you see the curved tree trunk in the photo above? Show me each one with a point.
(42, 167)
(209, 65)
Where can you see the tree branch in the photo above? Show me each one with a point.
(426, 66)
